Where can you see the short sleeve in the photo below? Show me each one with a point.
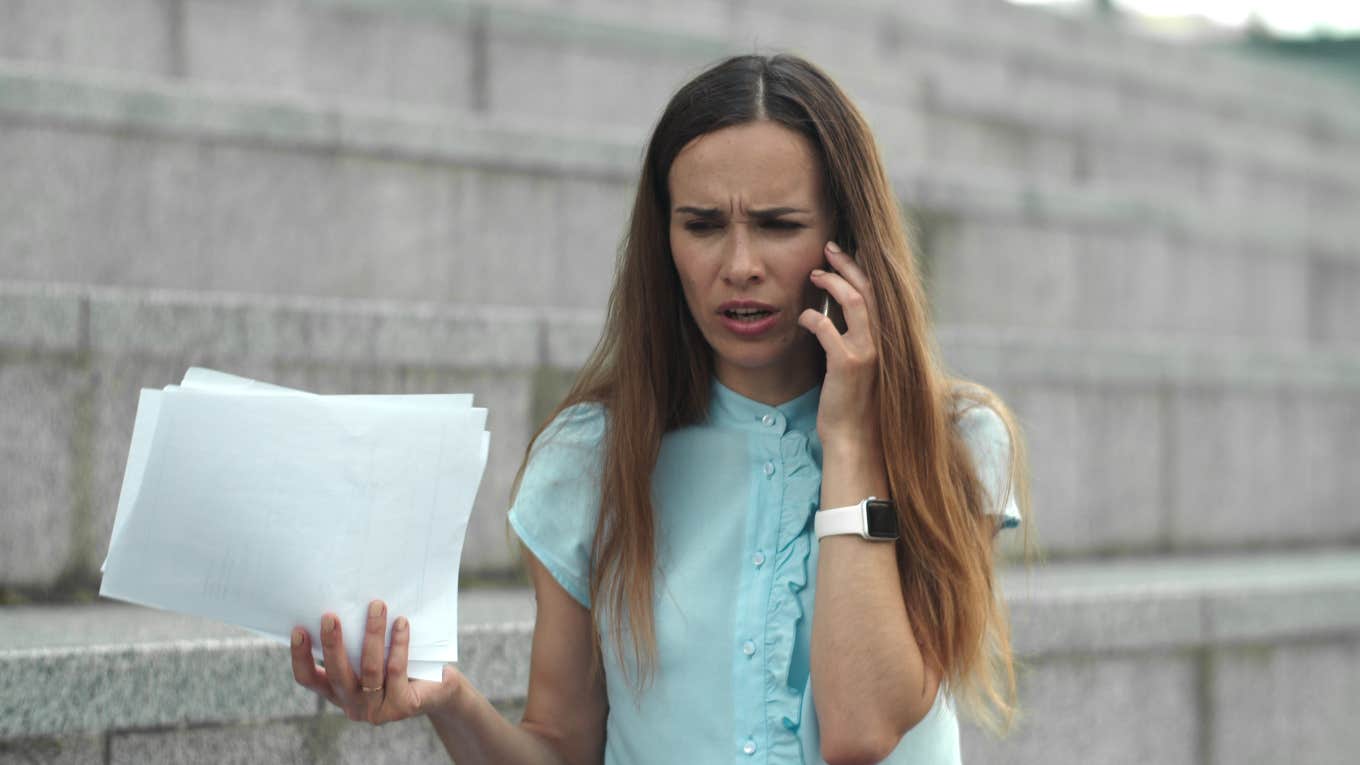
(558, 501)
(985, 433)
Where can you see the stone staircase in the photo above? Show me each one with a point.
(1149, 250)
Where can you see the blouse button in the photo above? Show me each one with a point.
(768, 420)
(758, 559)
(749, 747)
(769, 469)
(748, 648)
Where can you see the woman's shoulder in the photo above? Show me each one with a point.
(976, 413)
(555, 506)
(988, 438)
(580, 425)
(979, 420)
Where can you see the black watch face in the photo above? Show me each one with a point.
(882, 519)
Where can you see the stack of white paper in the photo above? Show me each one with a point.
(264, 507)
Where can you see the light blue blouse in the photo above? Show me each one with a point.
(736, 576)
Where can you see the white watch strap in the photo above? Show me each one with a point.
(840, 520)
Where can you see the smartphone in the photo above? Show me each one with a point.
(830, 308)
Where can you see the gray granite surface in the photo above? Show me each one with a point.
(111, 623)
(71, 669)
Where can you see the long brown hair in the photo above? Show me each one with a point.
(651, 370)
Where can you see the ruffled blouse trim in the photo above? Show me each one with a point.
(784, 704)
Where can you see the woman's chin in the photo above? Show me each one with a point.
(783, 349)
(761, 356)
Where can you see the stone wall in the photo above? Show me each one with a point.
(1249, 658)
(1138, 446)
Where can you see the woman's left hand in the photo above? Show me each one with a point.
(379, 691)
(847, 415)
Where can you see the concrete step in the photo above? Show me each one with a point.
(114, 181)
(471, 56)
(954, 84)
(376, 48)
(1170, 660)
(1138, 443)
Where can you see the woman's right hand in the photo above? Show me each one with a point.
(380, 692)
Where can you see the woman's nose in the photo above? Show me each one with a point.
(742, 264)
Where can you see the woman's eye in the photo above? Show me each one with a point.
(700, 225)
(783, 225)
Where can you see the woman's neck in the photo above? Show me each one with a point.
(773, 386)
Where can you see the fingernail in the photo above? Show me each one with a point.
(328, 625)
(832, 246)
(400, 626)
(374, 610)
(297, 638)
(818, 272)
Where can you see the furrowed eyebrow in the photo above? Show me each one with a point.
(702, 212)
(775, 212)
(712, 212)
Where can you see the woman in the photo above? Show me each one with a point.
(746, 496)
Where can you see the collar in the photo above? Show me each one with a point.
(727, 407)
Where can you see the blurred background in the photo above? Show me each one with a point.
(1140, 224)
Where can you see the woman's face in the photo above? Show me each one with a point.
(748, 223)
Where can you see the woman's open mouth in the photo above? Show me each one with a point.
(748, 319)
(747, 314)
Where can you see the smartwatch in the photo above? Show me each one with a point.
(873, 519)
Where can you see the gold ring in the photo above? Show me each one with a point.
(366, 689)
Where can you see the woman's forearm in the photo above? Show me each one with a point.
(474, 732)
(869, 678)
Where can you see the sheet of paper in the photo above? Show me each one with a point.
(201, 377)
(148, 408)
(263, 506)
